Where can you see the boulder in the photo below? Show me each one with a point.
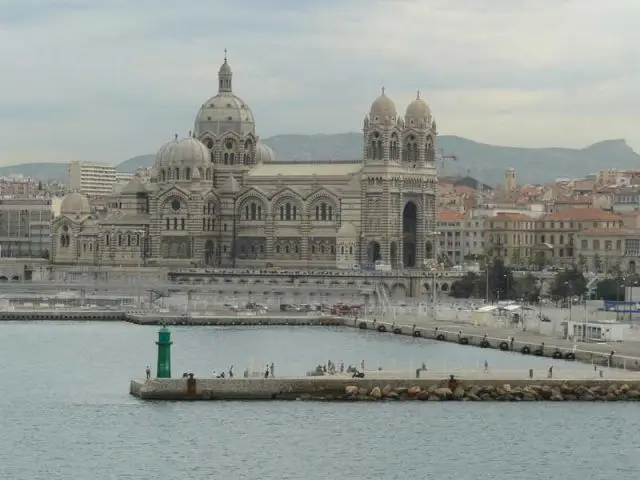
(612, 389)
(624, 388)
(401, 390)
(611, 397)
(529, 397)
(351, 390)
(392, 395)
(506, 387)
(362, 391)
(472, 397)
(433, 398)
(413, 391)
(566, 389)
(633, 395)
(443, 393)
(545, 393)
(376, 392)
(386, 390)
(459, 392)
(423, 395)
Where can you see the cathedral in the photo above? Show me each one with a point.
(221, 198)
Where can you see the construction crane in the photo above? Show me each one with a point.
(444, 157)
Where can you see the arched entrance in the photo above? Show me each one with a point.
(393, 252)
(209, 255)
(373, 252)
(409, 227)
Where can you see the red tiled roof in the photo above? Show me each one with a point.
(448, 215)
(513, 217)
(582, 214)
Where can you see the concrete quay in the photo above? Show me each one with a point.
(343, 388)
(81, 314)
(625, 356)
(224, 319)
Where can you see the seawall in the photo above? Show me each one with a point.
(392, 389)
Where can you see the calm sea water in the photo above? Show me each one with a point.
(65, 413)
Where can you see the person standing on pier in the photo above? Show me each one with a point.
(272, 369)
(231, 371)
(486, 366)
(148, 372)
(362, 365)
(341, 366)
(550, 373)
(266, 371)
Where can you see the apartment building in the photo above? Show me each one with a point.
(510, 236)
(25, 227)
(92, 179)
(556, 232)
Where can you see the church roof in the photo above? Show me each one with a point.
(291, 169)
(134, 187)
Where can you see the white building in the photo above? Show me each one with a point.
(91, 179)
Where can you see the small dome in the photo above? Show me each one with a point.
(134, 187)
(75, 204)
(418, 109)
(347, 230)
(382, 108)
(225, 69)
(185, 152)
(264, 153)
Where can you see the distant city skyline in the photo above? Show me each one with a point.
(105, 81)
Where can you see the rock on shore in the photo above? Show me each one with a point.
(502, 393)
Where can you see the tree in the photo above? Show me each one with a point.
(465, 287)
(568, 283)
(610, 289)
(502, 285)
(597, 263)
(539, 260)
(582, 262)
(528, 288)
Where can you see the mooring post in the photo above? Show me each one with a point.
(164, 353)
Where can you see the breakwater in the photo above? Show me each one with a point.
(392, 389)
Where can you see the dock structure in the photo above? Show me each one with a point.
(344, 388)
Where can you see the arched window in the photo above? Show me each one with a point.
(119, 239)
(204, 224)
(286, 249)
(226, 158)
(350, 250)
(175, 223)
(246, 212)
(128, 239)
(277, 248)
(137, 240)
(177, 173)
(332, 249)
(107, 239)
(168, 223)
(254, 211)
(62, 240)
(182, 224)
(187, 173)
(163, 175)
(281, 212)
(342, 250)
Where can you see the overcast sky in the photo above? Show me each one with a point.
(108, 80)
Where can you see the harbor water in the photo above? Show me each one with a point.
(66, 413)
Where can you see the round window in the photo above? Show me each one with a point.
(175, 204)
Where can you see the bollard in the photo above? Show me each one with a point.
(417, 373)
(531, 373)
(601, 373)
(191, 385)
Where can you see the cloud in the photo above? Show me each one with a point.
(105, 81)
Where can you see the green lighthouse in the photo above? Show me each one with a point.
(164, 353)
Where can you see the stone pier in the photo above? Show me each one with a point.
(343, 388)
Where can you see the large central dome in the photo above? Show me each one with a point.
(225, 112)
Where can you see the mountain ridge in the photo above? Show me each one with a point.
(484, 161)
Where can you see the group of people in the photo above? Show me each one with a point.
(269, 371)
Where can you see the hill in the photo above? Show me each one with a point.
(483, 161)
